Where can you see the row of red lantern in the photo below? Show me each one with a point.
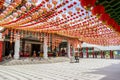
(87, 4)
(104, 39)
(60, 12)
(28, 5)
(77, 25)
(1, 3)
(22, 34)
(97, 36)
(16, 14)
(40, 21)
(25, 14)
(32, 24)
(70, 19)
(99, 10)
(8, 10)
(19, 1)
(74, 27)
(104, 43)
(60, 21)
(100, 37)
(95, 41)
(103, 16)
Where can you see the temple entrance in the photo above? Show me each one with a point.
(9, 47)
(35, 48)
(63, 49)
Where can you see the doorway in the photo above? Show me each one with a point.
(9, 47)
(36, 48)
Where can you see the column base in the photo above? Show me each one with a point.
(46, 58)
(16, 57)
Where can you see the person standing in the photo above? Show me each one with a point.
(34, 53)
(77, 57)
(10, 54)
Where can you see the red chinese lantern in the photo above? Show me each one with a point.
(23, 8)
(64, 15)
(19, 12)
(78, 9)
(87, 3)
(34, 1)
(11, 17)
(54, 2)
(5, 12)
(40, 11)
(70, 13)
(57, 18)
(116, 26)
(10, 8)
(66, 1)
(15, 14)
(14, 4)
(111, 22)
(2, 15)
(64, 9)
(119, 28)
(35, 15)
(18, 1)
(104, 17)
(1, 3)
(97, 10)
(74, 3)
(44, 9)
(28, 5)
(47, 0)
(49, 5)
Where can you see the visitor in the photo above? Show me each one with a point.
(10, 54)
(77, 57)
(63, 52)
(34, 53)
(54, 54)
(41, 54)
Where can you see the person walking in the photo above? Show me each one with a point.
(77, 57)
(10, 54)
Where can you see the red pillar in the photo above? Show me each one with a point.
(87, 55)
(96, 55)
(93, 52)
(1, 50)
(111, 54)
(81, 53)
(101, 54)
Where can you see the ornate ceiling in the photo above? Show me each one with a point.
(66, 18)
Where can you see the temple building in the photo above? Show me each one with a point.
(52, 28)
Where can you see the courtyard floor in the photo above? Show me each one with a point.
(86, 69)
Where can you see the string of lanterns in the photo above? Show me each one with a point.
(67, 19)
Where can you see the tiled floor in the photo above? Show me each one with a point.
(30, 60)
(86, 69)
